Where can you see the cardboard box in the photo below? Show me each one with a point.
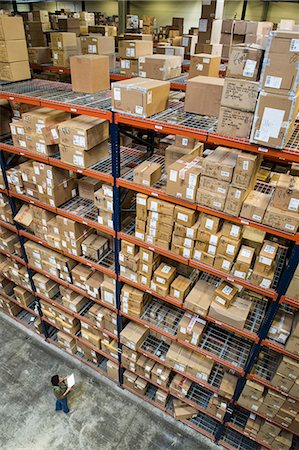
(97, 45)
(228, 385)
(87, 187)
(83, 132)
(234, 123)
(83, 158)
(13, 50)
(63, 41)
(220, 164)
(239, 94)
(129, 67)
(245, 173)
(140, 96)
(180, 287)
(39, 55)
(211, 199)
(183, 177)
(245, 62)
(190, 329)
(147, 173)
(255, 205)
(186, 142)
(185, 216)
(135, 49)
(244, 261)
(183, 411)
(274, 119)
(90, 73)
(159, 67)
(211, 49)
(225, 293)
(204, 64)
(11, 28)
(164, 275)
(286, 194)
(15, 71)
(203, 95)
(133, 335)
(234, 200)
(234, 315)
(171, 50)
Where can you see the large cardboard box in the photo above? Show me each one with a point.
(204, 64)
(239, 94)
(255, 205)
(135, 49)
(286, 194)
(97, 45)
(280, 69)
(90, 73)
(83, 132)
(171, 50)
(42, 122)
(143, 97)
(11, 28)
(234, 123)
(129, 67)
(13, 50)
(82, 158)
(203, 95)
(61, 58)
(220, 164)
(245, 62)
(234, 315)
(63, 41)
(160, 67)
(274, 119)
(15, 71)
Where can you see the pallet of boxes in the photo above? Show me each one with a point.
(14, 64)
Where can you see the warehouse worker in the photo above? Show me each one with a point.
(61, 391)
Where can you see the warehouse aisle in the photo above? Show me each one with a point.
(103, 417)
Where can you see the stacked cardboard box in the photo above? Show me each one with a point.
(182, 146)
(35, 35)
(148, 24)
(9, 307)
(130, 52)
(39, 55)
(14, 64)
(15, 272)
(280, 89)
(293, 289)
(159, 67)
(238, 104)
(86, 20)
(95, 44)
(90, 73)
(209, 27)
(42, 16)
(133, 301)
(83, 140)
(204, 64)
(69, 24)
(63, 46)
(203, 95)
(103, 199)
(171, 50)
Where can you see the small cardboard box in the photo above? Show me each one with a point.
(87, 187)
(159, 67)
(183, 411)
(244, 260)
(225, 293)
(234, 122)
(133, 335)
(203, 95)
(83, 158)
(83, 132)
(220, 164)
(147, 173)
(235, 315)
(90, 73)
(255, 205)
(204, 64)
(143, 97)
(164, 275)
(97, 45)
(286, 194)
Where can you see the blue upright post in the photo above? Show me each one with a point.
(115, 150)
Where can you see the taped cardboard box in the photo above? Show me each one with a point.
(183, 411)
(286, 194)
(234, 315)
(220, 164)
(90, 73)
(15, 71)
(129, 67)
(83, 132)
(133, 335)
(147, 173)
(143, 97)
(183, 177)
(234, 123)
(203, 95)
(245, 62)
(159, 67)
(13, 50)
(171, 51)
(199, 298)
(11, 28)
(210, 199)
(211, 49)
(255, 205)
(274, 119)
(135, 48)
(204, 64)
(225, 293)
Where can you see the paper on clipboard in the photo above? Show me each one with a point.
(70, 381)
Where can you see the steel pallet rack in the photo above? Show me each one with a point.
(172, 121)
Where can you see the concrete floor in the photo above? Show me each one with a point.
(103, 416)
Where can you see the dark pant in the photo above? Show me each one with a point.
(62, 405)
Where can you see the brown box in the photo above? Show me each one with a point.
(245, 173)
(274, 119)
(183, 177)
(255, 205)
(39, 55)
(234, 123)
(203, 95)
(234, 200)
(90, 73)
(286, 194)
(180, 287)
(63, 41)
(135, 49)
(147, 173)
(97, 45)
(87, 187)
(83, 132)
(244, 261)
(159, 67)
(190, 329)
(15, 71)
(129, 67)
(205, 65)
(183, 411)
(11, 28)
(228, 247)
(83, 158)
(139, 96)
(164, 275)
(245, 62)
(13, 50)
(133, 335)
(220, 164)
(234, 315)
(225, 293)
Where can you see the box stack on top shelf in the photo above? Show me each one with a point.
(174, 275)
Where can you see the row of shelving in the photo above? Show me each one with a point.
(172, 121)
